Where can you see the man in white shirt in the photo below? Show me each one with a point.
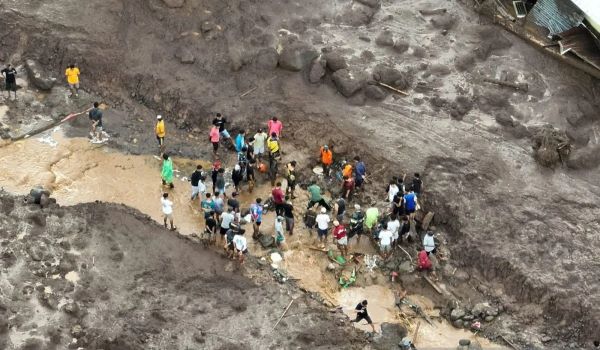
(385, 242)
(226, 220)
(429, 243)
(394, 226)
(240, 245)
(167, 210)
(322, 224)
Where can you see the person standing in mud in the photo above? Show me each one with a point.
(167, 210)
(288, 214)
(214, 137)
(198, 187)
(363, 314)
(291, 178)
(10, 80)
(360, 172)
(220, 122)
(256, 213)
(167, 171)
(326, 159)
(275, 126)
(260, 140)
(341, 237)
(160, 131)
(72, 74)
(95, 116)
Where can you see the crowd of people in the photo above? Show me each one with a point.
(261, 152)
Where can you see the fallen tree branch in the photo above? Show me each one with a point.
(393, 88)
(517, 86)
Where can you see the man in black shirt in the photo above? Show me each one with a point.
(10, 79)
(362, 314)
(220, 122)
(288, 214)
(96, 118)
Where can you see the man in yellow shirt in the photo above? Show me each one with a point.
(72, 74)
(160, 131)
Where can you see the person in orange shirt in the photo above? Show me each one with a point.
(347, 171)
(72, 74)
(326, 159)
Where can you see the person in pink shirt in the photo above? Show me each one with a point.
(275, 126)
(215, 136)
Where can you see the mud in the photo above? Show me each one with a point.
(524, 235)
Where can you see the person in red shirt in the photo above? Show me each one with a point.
(275, 126)
(278, 199)
(341, 237)
(348, 187)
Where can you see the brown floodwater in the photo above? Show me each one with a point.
(77, 171)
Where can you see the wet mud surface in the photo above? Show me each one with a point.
(523, 235)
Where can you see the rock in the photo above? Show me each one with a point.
(185, 56)
(297, 55)
(38, 77)
(406, 267)
(489, 318)
(335, 61)
(401, 46)
(358, 99)
(375, 93)
(371, 3)
(77, 331)
(267, 58)
(347, 82)
(385, 38)
(317, 71)
(479, 309)
(457, 313)
(174, 3)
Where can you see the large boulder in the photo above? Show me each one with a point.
(297, 55)
(38, 77)
(317, 71)
(335, 61)
(348, 83)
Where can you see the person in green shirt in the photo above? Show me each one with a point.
(315, 196)
(371, 217)
(167, 171)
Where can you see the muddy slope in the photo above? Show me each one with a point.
(531, 229)
(110, 278)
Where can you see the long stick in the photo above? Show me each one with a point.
(416, 335)
(284, 312)
(393, 88)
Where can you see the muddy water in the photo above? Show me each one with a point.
(77, 172)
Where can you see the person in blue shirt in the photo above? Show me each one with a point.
(360, 172)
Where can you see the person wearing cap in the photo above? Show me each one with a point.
(326, 159)
(160, 131)
(167, 171)
(236, 177)
(341, 237)
(214, 137)
(356, 222)
(322, 225)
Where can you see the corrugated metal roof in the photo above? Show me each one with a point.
(556, 15)
(580, 42)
